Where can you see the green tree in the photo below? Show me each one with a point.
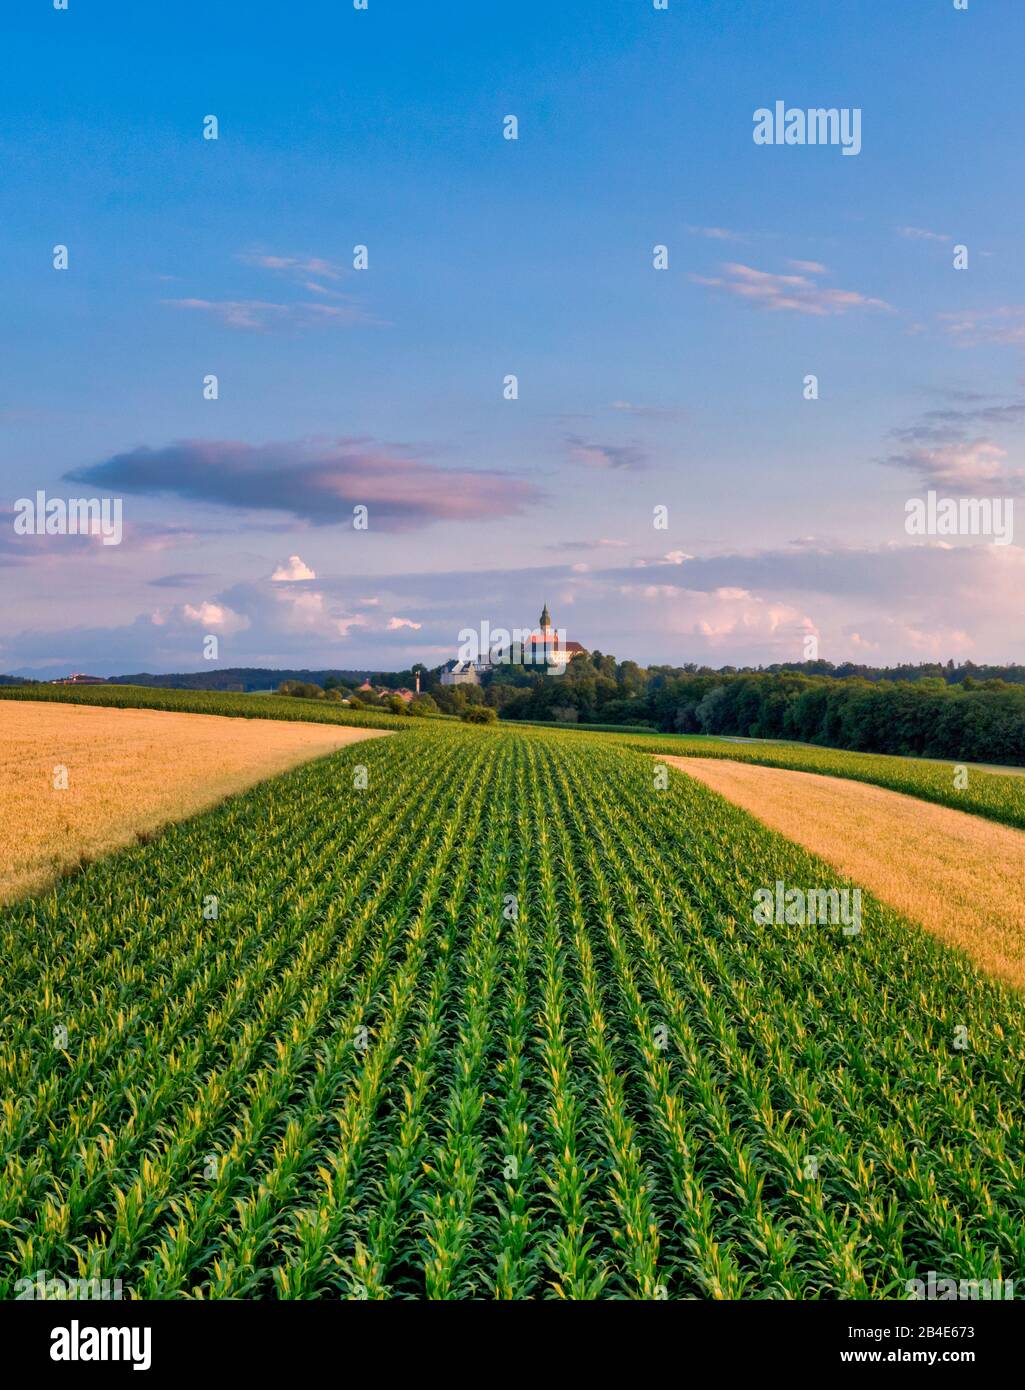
(479, 714)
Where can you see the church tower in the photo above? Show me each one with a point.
(546, 619)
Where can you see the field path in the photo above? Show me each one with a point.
(130, 772)
(961, 877)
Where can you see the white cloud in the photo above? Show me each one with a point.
(293, 569)
(920, 234)
(795, 293)
(309, 611)
(939, 642)
(1004, 325)
(595, 455)
(645, 412)
(299, 265)
(976, 467)
(216, 615)
(884, 603)
(394, 624)
(717, 233)
(727, 617)
(256, 315)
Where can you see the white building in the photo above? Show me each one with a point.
(542, 648)
(463, 673)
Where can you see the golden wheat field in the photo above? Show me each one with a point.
(128, 773)
(961, 877)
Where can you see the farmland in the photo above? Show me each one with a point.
(998, 796)
(959, 876)
(205, 702)
(80, 780)
(500, 1025)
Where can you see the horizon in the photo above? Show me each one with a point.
(795, 668)
(380, 378)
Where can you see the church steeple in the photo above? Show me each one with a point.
(546, 619)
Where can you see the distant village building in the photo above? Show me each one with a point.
(463, 672)
(404, 693)
(79, 679)
(540, 647)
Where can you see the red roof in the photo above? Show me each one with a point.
(539, 639)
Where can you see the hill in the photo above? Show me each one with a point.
(245, 678)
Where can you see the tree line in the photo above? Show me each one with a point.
(953, 715)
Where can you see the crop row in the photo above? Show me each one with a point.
(998, 796)
(500, 1025)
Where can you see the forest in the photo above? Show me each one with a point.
(971, 717)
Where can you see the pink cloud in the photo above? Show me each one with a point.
(795, 293)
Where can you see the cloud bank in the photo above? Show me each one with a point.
(319, 482)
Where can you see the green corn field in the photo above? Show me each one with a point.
(501, 1025)
(995, 795)
(998, 797)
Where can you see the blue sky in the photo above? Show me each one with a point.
(637, 388)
